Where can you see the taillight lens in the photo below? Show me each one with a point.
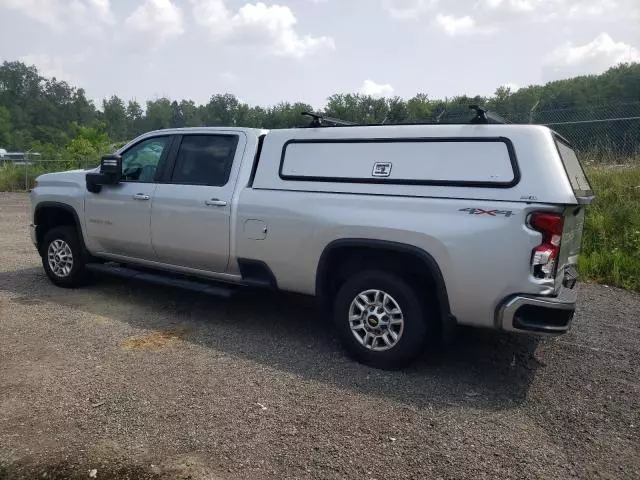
(545, 256)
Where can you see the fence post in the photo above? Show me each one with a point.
(535, 105)
(26, 171)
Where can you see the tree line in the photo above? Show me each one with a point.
(51, 116)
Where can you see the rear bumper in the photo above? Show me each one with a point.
(540, 315)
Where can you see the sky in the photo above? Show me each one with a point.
(266, 52)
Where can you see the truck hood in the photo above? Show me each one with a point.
(69, 178)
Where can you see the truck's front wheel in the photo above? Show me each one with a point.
(380, 319)
(62, 257)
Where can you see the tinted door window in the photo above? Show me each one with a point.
(205, 160)
(140, 162)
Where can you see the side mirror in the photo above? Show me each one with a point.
(110, 173)
(111, 167)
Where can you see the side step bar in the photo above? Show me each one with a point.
(219, 290)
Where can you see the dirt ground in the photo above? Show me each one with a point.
(131, 381)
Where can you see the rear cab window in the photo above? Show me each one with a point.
(205, 160)
(575, 172)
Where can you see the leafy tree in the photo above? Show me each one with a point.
(191, 114)
(159, 114)
(419, 108)
(84, 112)
(254, 117)
(221, 110)
(135, 116)
(88, 145)
(115, 117)
(285, 115)
(398, 111)
(5, 126)
(344, 106)
(177, 115)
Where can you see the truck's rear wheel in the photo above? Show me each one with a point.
(380, 319)
(62, 257)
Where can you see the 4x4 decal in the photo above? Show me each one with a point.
(491, 213)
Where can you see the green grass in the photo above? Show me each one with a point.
(11, 178)
(611, 241)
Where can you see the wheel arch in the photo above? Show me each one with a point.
(333, 257)
(48, 215)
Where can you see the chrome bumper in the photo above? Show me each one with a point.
(540, 315)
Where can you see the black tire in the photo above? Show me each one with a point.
(78, 274)
(415, 315)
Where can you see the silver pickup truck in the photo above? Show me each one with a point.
(402, 232)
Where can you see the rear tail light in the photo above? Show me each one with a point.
(544, 258)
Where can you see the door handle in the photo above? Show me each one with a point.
(214, 202)
(141, 196)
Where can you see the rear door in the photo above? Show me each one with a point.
(191, 209)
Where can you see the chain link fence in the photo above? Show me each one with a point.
(601, 134)
(19, 174)
(609, 133)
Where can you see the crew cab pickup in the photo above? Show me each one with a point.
(402, 232)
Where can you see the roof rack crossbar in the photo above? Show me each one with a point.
(482, 116)
(320, 120)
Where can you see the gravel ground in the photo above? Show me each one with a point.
(137, 381)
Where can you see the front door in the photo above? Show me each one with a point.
(191, 210)
(118, 218)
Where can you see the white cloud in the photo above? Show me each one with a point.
(377, 90)
(592, 9)
(517, 5)
(414, 9)
(602, 52)
(103, 7)
(483, 16)
(61, 15)
(560, 10)
(228, 77)
(42, 11)
(513, 87)
(54, 65)
(453, 26)
(157, 19)
(88, 13)
(258, 24)
(408, 9)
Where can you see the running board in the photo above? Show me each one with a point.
(218, 290)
